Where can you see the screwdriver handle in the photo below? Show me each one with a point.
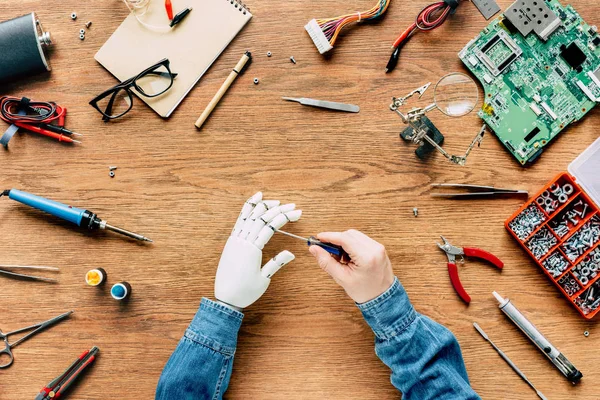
(336, 251)
(63, 211)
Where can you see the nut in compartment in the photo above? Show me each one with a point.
(589, 300)
(541, 243)
(569, 284)
(556, 264)
(555, 196)
(526, 222)
(588, 268)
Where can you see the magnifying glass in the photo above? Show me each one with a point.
(455, 94)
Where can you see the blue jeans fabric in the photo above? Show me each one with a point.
(424, 357)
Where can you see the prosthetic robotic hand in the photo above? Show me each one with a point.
(240, 279)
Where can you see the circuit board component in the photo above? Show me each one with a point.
(539, 65)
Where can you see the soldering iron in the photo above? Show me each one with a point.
(82, 218)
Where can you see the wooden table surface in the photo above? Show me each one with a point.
(304, 339)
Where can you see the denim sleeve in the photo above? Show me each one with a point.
(424, 356)
(200, 366)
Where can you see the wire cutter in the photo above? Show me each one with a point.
(61, 384)
(453, 251)
(36, 329)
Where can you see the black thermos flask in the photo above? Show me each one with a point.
(22, 45)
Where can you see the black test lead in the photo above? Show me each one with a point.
(180, 16)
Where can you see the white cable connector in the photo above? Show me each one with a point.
(317, 36)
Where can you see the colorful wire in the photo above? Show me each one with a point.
(429, 18)
(46, 111)
(332, 27)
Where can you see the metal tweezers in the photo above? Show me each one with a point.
(30, 277)
(331, 105)
(475, 191)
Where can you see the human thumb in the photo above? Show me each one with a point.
(325, 261)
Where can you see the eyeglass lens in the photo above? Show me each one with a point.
(116, 104)
(155, 82)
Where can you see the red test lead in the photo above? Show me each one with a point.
(169, 8)
(45, 132)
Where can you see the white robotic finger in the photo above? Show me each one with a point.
(293, 216)
(279, 221)
(276, 263)
(246, 210)
(267, 217)
(258, 211)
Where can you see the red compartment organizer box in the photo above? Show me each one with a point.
(560, 230)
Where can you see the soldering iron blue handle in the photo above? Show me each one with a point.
(68, 213)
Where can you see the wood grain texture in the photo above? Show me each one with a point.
(304, 339)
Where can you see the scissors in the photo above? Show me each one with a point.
(36, 329)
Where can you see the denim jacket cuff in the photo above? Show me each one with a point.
(216, 326)
(390, 313)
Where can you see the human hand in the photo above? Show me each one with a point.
(240, 281)
(367, 275)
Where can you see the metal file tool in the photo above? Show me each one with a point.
(331, 105)
(508, 360)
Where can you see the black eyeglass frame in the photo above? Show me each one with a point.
(126, 85)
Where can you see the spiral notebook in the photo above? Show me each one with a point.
(191, 46)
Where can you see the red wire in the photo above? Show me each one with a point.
(424, 22)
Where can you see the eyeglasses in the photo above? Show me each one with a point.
(118, 100)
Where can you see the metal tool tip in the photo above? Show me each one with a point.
(148, 240)
(75, 141)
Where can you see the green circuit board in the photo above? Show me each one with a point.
(539, 64)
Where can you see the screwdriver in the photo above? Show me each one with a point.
(77, 216)
(508, 360)
(336, 251)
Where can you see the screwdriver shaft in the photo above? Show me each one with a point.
(508, 360)
(292, 235)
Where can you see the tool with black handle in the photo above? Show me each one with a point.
(336, 251)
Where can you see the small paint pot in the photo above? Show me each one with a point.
(95, 277)
(120, 291)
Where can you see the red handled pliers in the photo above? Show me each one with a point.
(452, 252)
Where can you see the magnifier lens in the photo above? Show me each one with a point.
(456, 94)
